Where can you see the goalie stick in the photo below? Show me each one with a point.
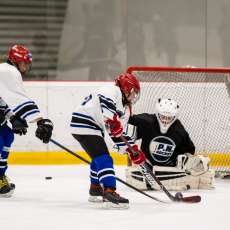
(117, 178)
(151, 178)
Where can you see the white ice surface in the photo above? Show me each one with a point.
(61, 204)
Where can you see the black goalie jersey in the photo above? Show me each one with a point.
(161, 149)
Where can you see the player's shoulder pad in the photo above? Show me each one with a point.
(12, 70)
(179, 126)
(144, 118)
(111, 92)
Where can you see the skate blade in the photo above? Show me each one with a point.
(95, 199)
(8, 194)
(110, 205)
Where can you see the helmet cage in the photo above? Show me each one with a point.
(167, 111)
(165, 120)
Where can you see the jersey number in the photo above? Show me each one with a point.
(87, 99)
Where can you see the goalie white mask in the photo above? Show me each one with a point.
(166, 112)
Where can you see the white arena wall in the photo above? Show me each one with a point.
(57, 101)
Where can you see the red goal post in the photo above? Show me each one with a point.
(204, 98)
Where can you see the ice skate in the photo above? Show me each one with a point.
(6, 188)
(95, 193)
(112, 200)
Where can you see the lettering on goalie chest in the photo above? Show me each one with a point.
(161, 148)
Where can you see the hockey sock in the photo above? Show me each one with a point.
(93, 173)
(105, 170)
(3, 161)
(6, 139)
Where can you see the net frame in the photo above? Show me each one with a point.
(219, 161)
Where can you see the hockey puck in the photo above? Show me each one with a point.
(178, 195)
(48, 178)
(188, 186)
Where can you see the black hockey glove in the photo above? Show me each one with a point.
(44, 130)
(19, 125)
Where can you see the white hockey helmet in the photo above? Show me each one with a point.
(166, 112)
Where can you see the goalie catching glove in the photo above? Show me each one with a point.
(44, 130)
(193, 164)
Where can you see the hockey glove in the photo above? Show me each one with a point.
(138, 157)
(115, 126)
(44, 130)
(19, 125)
(193, 164)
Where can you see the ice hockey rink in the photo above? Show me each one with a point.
(61, 203)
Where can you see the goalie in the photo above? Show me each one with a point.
(169, 151)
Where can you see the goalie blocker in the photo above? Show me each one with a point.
(191, 172)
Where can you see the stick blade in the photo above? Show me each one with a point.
(191, 199)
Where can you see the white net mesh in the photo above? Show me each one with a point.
(204, 99)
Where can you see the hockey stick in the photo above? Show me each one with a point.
(117, 178)
(151, 178)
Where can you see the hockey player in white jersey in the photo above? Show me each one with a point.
(19, 126)
(102, 115)
(13, 93)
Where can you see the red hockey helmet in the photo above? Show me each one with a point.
(19, 53)
(128, 84)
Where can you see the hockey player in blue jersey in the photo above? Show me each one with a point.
(24, 109)
(102, 115)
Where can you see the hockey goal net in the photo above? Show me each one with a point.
(204, 98)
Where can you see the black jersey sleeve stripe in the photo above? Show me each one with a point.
(82, 115)
(79, 121)
(106, 98)
(19, 107)
(7, 111)
(107, 104)
(106, 108)
(26, 109)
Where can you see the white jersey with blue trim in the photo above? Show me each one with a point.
(13, 93)
(89, 118)
(4, 109)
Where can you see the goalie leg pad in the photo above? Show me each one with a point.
(207, 180)
(135, 177)
(172, 178)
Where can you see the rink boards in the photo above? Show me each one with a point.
(57, 100)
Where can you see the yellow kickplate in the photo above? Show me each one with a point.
(47, 158)
(58, 157)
